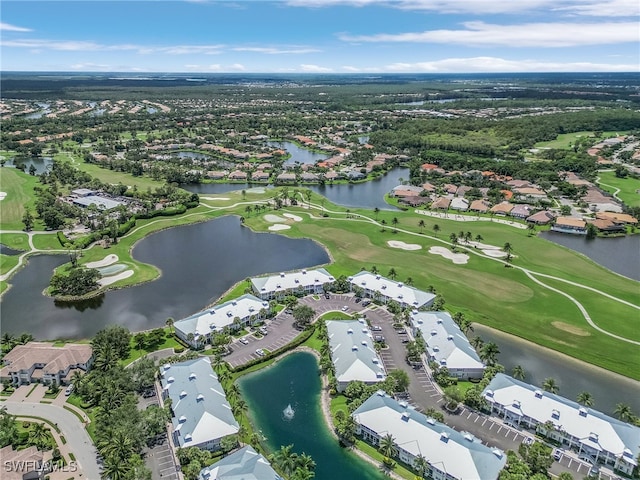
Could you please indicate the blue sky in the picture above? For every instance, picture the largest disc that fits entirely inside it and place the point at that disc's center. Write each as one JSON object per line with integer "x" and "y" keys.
{"x": 316, "y": 36}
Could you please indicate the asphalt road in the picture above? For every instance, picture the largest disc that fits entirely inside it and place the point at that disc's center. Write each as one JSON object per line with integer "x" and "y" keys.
{"x": 73, "y": 430}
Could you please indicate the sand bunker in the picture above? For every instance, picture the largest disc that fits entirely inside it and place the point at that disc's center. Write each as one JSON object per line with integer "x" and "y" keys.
{"x": 293, "y": 217}
{"x": 458, "y": 258}
{"x": 215, "y": 198}
{"x": 495, "y": 253}
{"x": 275, "y": 228}
{"x": 274, "y": 219}
{"x": 114, "y": 278}
{"x": 108, "y": 260}
{"x": 3, "y": 195}
{"x": 403, "y": 246}
{"x": 565, "y": 327}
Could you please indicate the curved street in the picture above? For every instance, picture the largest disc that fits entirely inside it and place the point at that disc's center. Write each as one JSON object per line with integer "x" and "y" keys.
{"x": 78, "y": 439}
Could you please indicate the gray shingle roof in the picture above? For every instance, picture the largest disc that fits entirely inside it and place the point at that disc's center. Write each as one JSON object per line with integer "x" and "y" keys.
{"x": 245, "y": 464}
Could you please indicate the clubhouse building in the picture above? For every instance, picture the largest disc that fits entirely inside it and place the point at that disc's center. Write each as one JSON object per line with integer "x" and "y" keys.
{"x": 593, "y": 435}
{"x": 201, "y": 414}
{"x": 446, "y": 345}
{"x": 352, "y": 353}
{"x": 450, "y": 454}
{"x": 383, "y": 289}
{"x": 303, "y": 282}
{"x": 198, "y": 329}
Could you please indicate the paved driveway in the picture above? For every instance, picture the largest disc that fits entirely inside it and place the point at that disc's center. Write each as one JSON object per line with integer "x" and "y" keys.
{"x": 72, "y": 429}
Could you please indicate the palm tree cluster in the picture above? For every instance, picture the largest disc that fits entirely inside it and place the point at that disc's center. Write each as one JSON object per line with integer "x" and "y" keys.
{"x": 294, "y": 466}
{"x": 9, "y": 341}
{"x": 465, "y": 325}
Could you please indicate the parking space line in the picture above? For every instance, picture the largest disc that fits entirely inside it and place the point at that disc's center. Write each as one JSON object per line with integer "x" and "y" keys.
{"x": 485, "y": 421}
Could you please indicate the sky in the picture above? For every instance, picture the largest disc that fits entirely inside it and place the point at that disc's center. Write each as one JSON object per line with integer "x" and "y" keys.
{"x": 320, "y": 36}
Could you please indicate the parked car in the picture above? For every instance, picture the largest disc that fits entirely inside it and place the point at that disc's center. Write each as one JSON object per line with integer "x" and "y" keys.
{"x": 378, "y": 338}
{"x": 358, "y": 299}
{"x": 327, "y": 296}
{"x": 148, "y": 393}
{"x": 366, "y": 302}
{"x": 376, "y": 328}
{"x": 345, "y": 308}
{"x": 263, "y": 330}
{"x": 528, "y": 440}
{"x": 69, "y": 390}
{"x": 244, "y": 341}
{"x": 260, "y": 352}
{"x": 557, "y": 454}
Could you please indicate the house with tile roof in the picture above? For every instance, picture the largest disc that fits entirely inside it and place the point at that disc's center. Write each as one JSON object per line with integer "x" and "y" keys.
{"x": 44, "y": 362}
{"x": 450, "y": 454}
{"x": 592, "y": 434}
{"x": 446, "y": 345}
{"x": 383, "y": 289}
{"x": 243, "y": 464}
{"x": 353, "y": 354}
{"x": 200, "y": 413}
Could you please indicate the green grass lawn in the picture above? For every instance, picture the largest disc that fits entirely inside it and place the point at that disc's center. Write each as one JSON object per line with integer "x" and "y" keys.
{"x": 17, "y": 241}
{"x": 629, "y": 187}
{"x": 20, "y": 195}
{"x": 336, "y": 316}
{"x": 47, "y": 242}
{"x": 7, "y": 262}
{"x": 566, "y": 140}
{"x": 109, "y": 176}
{"x": 169, "y": 342}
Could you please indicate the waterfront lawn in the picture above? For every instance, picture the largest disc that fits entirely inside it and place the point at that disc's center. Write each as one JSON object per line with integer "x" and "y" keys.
{"x": 17, "y": 241}
{"x": 372, "y": 452}
{"x": 76, "y": 401}
{"x": 7, "y": 262}
{"x": 337, "y": 315}
{"x": 170, "y": 341}
{"x": 19, "y": 187}
{"x": 629, "y": 187}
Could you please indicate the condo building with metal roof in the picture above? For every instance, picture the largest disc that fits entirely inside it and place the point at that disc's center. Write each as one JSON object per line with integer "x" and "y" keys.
{"x": 303, "y": 282}
{"x": 380, "y": 288}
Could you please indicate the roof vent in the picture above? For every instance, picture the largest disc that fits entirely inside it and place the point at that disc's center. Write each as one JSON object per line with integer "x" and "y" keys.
{"x": 251, "y": 309}
{"x": 234, "y": 303}
{"x": 538, "y": 393}
{"x": 468, "y": 437}
{"x": 183, "y": 394}
{"x": 375, "y": 360}
{"x": 354, "y": 348}
{"x": 384, "y": 287}
{"x": 434, "y": 332}
{"x": 449, "y": 337}
{"x": 200, "y": 397}
{"x": 405, "y": 416}
{"x": 489, "y": 393}
{"x": 229, "y": 314}
{"x": 377, "y": 277}
{"x": 212, "y": 326}
{"x": 444, "y": 436}
{"x": 403, "y": 404}
{"x": 436, "y": 348}
{"x": 379, "y": 374}
{"x": 516, "y": 404}
{"x": 182, "y": 419}
{"x": 350, "y": 330}
{"x": 380, "y": 393}
{"x": 188, "y": 437}
{"x": 431, "y": 421}
{"x": 555, "y": 414}
{"x": 170, "y": 380}
{"x": 166, "y": 366}
{"x": 582, "y": 411}
{"x": 497, "y": 452}
{"x": 400, "y": 285}
{"x": 364, "y": 342}
{"x": 304, "y": 272}
{"x": 192, "y": 376}
{"x": 281, "y": 275}
{"x": 439, "y": 321}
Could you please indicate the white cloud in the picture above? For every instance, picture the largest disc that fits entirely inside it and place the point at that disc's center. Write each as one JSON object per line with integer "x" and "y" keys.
{"x": 276, "y": 51}
{"x": 216, "y": 67}
{"x": 305, "y": 67}
{"x": 497, "y": 65}
{"x": 525, "y": 35}
{"x": 88, "y": 66}
{"x": 7, "y": 27}
{"x": 613, "y": 8}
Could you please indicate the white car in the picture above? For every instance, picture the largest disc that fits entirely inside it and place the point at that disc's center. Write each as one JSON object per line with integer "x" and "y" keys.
{"x": 260, "y": 352}
{"x": 69, "y": 390}
{"x": 244, "y": 341}
{"x": 263, "y": 330}
{"x": 345, "y": 308}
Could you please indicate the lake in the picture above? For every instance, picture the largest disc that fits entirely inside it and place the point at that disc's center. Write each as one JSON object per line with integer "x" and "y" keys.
{"x": 42, "y": 164}
{"x": 295, "y": 381}
{"x": 364, "y": 195}
{"x": 618, "y": 254}
{"x": 299, "y": 154}
{"x": 573, "y": 376}
{"x": 198, "y": 262}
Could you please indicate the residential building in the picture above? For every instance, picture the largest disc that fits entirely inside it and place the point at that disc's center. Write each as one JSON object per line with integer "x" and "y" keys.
{"x": 441, "y": 203}
{"x": 502, "y": 208}
{"x": 541, "y": 218}
{"x": 405, "y": 191}
{"x": 101, "y": 203}
{"x": 592, "y": 434}
{"x": 42, "y": 362}
{"x": 617, "y": 217}
{"x": 460, "y": 204}
{"x": 521, "y": 210}
{"x": 383, "y": 289}
{"x": 449, "y": 454}
{"x": 243, "y": 464}
{"x": 25, "y": 464}
{"x": 352, "y": 353}
{"x": 570, "y": 225}
{"x": 481, "y": 206}
{"x": 446, "y": 344}
{"x": 200, "y": 413}
{"x": 234, "y": 314}
{"x": 303, "y": 282}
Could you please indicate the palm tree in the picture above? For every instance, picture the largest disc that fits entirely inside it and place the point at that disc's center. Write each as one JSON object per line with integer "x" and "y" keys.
{"x": 39, "y": 435}
{"x": 305, "y": 462}
{"x": 248, "y": 209}
{"x": 479, "y": 238}
{"x": 454, "y": 240}
{"x": 169, "y": 323}
{"x": 436, "y": 229}
{"x": 518, "y": 372}
{"x": 409, "y": 281}
{"x": 392, "y": 273}
{"x": 507, "y": 248}
{"x": 233, "y": 392}
{"x": 550, "y": 385}
{"x": 387, "y": 446}
{"x": 476, "y": 342}
{"x": 114, "y": 469}
{"x": 531, "y": 228}
{"x": 374, "y": 269}
{"x": 376, "y": 211}
{"x": 586, "y": 399}
{"x": 240, "y": 408}
{"x": 383, "y": 222}
{"x": 421, "y": 225}
{"x": 421, "y": 465}
{"x": 467, "y": 237}
{"x": 624, "y": 413}
{"x": 190, "y": 338}
{"x": 285, "y": 459}
{"x": 489, "y": 353}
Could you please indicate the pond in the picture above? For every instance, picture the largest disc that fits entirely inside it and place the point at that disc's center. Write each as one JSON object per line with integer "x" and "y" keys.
{"x": 284, "y": 403}
{"x": 364, "y": 195}
{"x": 4, "y": 250}
{"x": 41, "y": 164}
{"x": 618, "y": 254}
{"x": 299, "y": 154}
{"x": 572, "y": 376}
{"x": 198, "y": 262}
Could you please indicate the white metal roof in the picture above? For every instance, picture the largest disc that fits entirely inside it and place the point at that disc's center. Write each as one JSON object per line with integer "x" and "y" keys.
{"x": 395, "y": 290}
